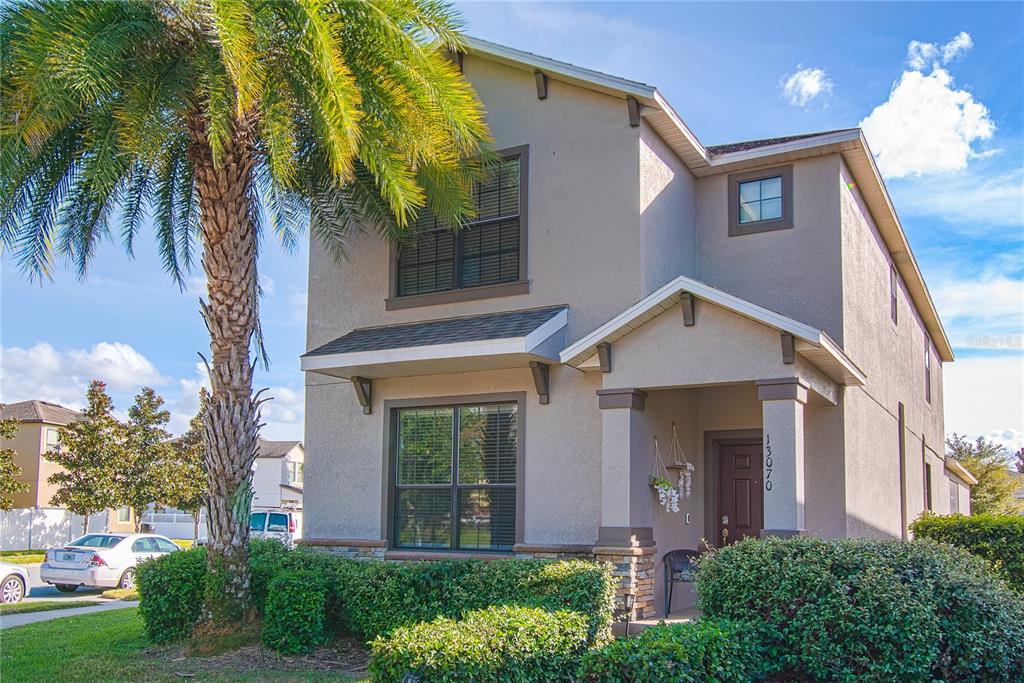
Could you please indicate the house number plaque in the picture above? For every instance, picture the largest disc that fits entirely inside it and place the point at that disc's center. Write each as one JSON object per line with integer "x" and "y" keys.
{"x": 768, "y": 462}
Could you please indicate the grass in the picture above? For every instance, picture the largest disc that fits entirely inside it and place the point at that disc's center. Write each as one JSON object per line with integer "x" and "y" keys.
{"x": 120, "y": 594}
{"x": 111, "y": 646}
{"x": 44, "y": 606}
{"x": 25, "y": 557}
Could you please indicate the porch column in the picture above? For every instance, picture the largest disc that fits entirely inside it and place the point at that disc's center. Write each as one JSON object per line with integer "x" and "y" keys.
{"x": 625, "y": 537}
{"x": 782, "y": 406}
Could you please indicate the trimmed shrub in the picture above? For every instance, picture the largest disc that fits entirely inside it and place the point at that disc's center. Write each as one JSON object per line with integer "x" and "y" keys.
{"x": 997, "y": 538}
{"x": 504, "y": 643}
{"x": 171, "y": 593}
{"x": 678, "y": 653}
{"x": 267, "y": 558}
{"x": 293, "y": 622}
{"x": 866, "y": 610}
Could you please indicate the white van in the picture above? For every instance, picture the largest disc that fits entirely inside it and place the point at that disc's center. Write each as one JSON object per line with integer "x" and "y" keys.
{"x": 280, "y": 525}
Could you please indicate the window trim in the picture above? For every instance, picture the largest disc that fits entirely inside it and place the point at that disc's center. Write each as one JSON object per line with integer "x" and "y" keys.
{"x": 394, "y": 302}
{"x": 927, "y": 370}
{"x": 785, "y": 223}
{"x": 390, "y": 464}
{"x": 894, "y": 288}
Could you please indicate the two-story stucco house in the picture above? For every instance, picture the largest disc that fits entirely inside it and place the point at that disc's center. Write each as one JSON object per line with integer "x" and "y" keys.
{"x": 501, "y": 390}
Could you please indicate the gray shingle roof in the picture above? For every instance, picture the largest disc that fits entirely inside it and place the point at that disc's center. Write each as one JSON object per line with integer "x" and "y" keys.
{"x": 747, "y": 145}
{"x": 39, "y": 411}
{"x": 449, "y": 330}
{"x": 274, "y": 449}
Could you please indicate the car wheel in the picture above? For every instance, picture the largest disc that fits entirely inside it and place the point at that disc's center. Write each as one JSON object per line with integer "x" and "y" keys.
{"x": 66, "y": 587}
{"x": 12, "y": 590}
{"x": 127, "y": 579}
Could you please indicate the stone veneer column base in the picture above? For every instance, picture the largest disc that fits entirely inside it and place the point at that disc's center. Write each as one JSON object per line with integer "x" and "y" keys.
{"x": 634, "y": 567}
{"x": 350, "y": 549}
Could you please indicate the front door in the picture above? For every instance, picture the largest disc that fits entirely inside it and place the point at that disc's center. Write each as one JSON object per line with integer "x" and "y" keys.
{"x": 740, "y": 496}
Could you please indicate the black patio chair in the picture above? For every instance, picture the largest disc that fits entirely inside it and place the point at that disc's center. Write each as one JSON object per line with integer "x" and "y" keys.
{"x": 679, "y": 566}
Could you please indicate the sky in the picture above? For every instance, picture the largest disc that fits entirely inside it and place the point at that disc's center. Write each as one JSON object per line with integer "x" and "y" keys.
{"x": 937, "y": 87}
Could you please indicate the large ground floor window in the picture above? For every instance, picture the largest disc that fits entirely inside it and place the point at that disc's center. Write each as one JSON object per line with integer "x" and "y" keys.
{"x": 454, "y": 469}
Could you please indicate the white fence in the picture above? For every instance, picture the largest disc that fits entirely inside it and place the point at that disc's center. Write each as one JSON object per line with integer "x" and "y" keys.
{"x": 175, "y": 524}
{"x": 41, "y": 528}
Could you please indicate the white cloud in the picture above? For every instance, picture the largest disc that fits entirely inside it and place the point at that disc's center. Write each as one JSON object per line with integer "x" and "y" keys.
{"x": 984, "y": 396}
{"x": 267, "y": 285}
{"x": 926, "y": 126}
{"x": 921, "y": 55}
{"x": 974, "y": 199}
{"x": 43, "y": 372}
{"x": 805, "y": 84}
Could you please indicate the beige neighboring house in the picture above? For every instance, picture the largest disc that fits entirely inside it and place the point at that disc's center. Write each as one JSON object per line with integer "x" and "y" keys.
{"x": 277, "y": 480}
{"x": 39, "y": 423}
{"x": 754, "y": 309}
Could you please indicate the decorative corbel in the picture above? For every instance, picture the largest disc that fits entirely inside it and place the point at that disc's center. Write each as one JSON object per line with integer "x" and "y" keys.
{"x": 541, "y": 380}
{"x": 542, "y": 84}
{"x": 364, "y": 392}
{"x": 633, "y": 107}
{"x": 689, "y": 306}
{"x": 604, "y": 356}
{"x": 788, "y": 349}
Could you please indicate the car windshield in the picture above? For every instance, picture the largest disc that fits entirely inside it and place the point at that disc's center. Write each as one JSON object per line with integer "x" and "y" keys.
{"x": 257, "y": 521}
{"x": 278, "y": 522}
{"x": 97, "y": 541}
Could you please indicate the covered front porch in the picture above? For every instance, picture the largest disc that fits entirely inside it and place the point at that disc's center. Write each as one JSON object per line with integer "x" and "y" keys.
{"x": 737, "y": 407}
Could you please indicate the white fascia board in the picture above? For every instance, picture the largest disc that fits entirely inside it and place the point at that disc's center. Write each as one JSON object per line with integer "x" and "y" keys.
{"x": 526, "y": 345}
{"x": 583, "y": 348}
{"x": 960, "y": 471}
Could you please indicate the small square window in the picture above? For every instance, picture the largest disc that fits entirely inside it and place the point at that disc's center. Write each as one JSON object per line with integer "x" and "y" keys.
{"x": 760, "y": 201}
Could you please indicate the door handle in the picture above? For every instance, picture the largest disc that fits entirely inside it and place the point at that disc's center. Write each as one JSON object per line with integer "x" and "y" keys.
{"x": 725, "y": 520}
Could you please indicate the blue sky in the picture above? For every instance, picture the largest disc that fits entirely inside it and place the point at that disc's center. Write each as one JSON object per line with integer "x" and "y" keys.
{"x": 937, "y": 86}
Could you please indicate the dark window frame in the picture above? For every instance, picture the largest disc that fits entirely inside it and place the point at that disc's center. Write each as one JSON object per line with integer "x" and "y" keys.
{"x": 927, "y": 370}
{"x": 928, "y": 486}
{"x": 784, "y": 223}
{"x": 893, "y": 293}
{"x": 395, "y": 301}
{"x": 392, "y": 408}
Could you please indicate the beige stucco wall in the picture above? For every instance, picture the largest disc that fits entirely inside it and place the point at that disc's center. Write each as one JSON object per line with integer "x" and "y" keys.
{"x": 27, "y": 444}
{"x": 794, "y": 272}
{"x": 892, "y": 357}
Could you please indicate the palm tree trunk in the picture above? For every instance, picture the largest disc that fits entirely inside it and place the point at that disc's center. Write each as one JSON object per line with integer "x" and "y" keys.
{"x": 232, "y": 422}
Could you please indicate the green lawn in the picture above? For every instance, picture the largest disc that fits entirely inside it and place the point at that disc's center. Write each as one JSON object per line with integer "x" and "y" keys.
{"x": 44, "y": 605}
{"x": 26, "y": 557}
{"x": 110, "y": 646}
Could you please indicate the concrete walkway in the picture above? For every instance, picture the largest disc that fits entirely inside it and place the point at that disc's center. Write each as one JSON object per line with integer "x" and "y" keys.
{"x": 12, "y": 620}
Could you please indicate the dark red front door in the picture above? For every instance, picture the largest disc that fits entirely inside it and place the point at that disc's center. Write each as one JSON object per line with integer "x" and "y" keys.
{"x": 740, "y": 496}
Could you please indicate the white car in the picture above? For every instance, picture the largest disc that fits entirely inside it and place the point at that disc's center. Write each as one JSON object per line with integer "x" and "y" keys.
{"x": 13, "y": 584}
{"x": 102, "y": 560}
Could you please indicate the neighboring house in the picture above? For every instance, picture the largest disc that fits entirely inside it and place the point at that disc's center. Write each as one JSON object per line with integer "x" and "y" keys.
{"x": 39, "y": 424}
{"x": 499, "y": 390}
{"x": 277, "y": 479}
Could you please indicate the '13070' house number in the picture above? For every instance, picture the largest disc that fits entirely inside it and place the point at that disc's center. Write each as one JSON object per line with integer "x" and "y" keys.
{"x": 767, "y": 462}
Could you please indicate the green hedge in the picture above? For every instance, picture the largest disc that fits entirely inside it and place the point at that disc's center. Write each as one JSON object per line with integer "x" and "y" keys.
{"x": 678, "y": 653}
{"x": 997, "y": 538}
{"x": 293, "y": 621}
{"x": 504, "y": 643}
{"x": 171, "y": 593}
{"x": 866, "y": 610}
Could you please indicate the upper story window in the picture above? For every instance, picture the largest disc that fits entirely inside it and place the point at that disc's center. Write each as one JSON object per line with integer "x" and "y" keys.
{"x": 761, "y": 201}
{"x": 294, "y": 472}
{"x": 52, "y": 439}
{"x": 927, "y": 370}
{"x": 893, "y": 289}
{"x": 489, "y": 252}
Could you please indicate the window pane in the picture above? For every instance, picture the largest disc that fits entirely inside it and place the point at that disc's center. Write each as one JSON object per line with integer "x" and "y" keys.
{"x": 487, "y": 519}
{"x": 750, "y": 212}
{"x": 423, "y": 518}
{"x": 771, "y": 188}
{"x": 771, "y": 209}
{"x": 428, "y": 264}
{"x": 488, "y": 438}
{"x": 425, "y": 446}
{"x": 498, "y": 194}
{"x": 490, "y": 253}
{"x": 258, "y": 521}
{"x": 750, "y": 191}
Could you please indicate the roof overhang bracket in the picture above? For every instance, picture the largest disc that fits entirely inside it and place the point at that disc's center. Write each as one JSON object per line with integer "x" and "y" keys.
{"x": 541, "y": 380}
{"x": 788, "y": 348}
{"x": 542, "y": 84}
{"x": 364, "y": 392}
{"x": 633, "y": 108}
{"x": 689, "y": 304}
{"x": 604, "y": 356}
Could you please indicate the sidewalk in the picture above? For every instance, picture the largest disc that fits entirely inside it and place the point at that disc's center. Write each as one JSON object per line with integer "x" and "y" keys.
{"x": 12, "y": 620}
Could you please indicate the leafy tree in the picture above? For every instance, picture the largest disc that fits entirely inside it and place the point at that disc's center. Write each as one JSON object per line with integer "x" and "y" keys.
{"x": 186, "y": 477}
{"x": 215, "y": 117}
{"x": 141, "y": 476}
{"x": 90, "y": 450}
{"x": 1018, "y": 460}
{"x": 9, "y": 471}
{"x": 989, "y": 462}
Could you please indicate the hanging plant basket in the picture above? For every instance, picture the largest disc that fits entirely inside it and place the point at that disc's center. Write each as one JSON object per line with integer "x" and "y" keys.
{"x": 668, "y": 494}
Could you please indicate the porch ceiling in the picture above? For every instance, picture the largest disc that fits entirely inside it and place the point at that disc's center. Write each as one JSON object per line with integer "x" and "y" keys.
{"x": 813, "y": 344}
{"x": 509, "y": 339}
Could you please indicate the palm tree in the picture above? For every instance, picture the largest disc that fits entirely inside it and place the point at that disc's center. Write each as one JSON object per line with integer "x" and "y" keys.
{"x": 214, "y": 118}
